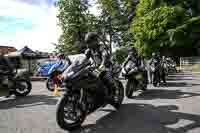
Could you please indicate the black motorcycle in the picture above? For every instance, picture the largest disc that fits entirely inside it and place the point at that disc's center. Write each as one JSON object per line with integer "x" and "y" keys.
{"x": 86, "y": 91}
{"x": 17, "y": 82}
{"x": 136, "y": 79}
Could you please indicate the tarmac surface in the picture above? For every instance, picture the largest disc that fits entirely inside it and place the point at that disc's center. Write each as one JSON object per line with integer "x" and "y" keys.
{"x": 173, "y": 108}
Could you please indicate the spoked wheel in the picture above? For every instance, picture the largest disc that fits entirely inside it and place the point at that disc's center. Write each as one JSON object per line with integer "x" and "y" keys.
{"x": 118, "y": 95}
{"x": 52, "y": 80}
{"x": 70, "y": 113}
{"x": 50, "y": 84}
{"x": 23, "y": 88}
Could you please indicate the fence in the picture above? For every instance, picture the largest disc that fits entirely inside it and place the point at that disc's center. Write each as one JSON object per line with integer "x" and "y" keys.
{"x": 190, "y": 63}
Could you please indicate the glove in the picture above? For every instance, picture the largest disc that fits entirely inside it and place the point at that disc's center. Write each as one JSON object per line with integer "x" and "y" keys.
{"x": 102, "y": 67}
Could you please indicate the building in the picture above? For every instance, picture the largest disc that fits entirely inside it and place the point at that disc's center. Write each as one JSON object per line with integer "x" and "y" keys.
{"x": 7, "y": 49}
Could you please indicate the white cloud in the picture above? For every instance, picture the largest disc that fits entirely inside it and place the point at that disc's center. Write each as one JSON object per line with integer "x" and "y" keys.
{"x": 44, "y": 32}
{"x": 11, "y": 8}
{"x": 43, "y": 19}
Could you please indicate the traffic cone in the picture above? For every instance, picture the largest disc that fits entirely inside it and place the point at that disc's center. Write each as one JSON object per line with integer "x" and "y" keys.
{"x": 55, "y": 93}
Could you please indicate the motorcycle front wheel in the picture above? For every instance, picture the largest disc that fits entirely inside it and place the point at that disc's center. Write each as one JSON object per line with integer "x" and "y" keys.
{"x": 118, "y": 95}
{"x": 156, "y": 79}
{"x": 130, "y": 87}
{"x": 23, "y": 87}
{"x": 69, "y": 114}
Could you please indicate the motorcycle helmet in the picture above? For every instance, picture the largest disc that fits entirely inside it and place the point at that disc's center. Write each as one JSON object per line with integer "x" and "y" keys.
{"x": 88, "y": 53}
{"x": 91, "y": 39}
{"x": 132, "y": 51}
{"x": 153, "y": 54}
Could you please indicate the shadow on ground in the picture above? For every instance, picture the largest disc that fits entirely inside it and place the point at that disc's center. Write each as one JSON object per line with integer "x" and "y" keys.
{"x": 175, "y": 84}
{"x": 33, "y": 100}
{"x": 164, "y": 94}
{"x": 142, "y": 118}
{"x": 193, "y": 84}
{"x": 180, "y": 76}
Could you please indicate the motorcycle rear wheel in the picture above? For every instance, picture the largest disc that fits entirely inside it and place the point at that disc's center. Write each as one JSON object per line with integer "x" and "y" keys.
{"x": 50, "y": 85}
{"x": 23, "y": 91}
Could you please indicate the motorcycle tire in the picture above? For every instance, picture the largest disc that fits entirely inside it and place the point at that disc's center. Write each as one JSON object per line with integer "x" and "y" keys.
{"x": 28, "y": 88}
{"x": 156, "y": 79}
{"x": 50, "y": 85}
{"x": 144, "y": 88}
{"x": 120, "y": 95}
{"x": 130, "y": 87}
{"x": 60, "y": 115}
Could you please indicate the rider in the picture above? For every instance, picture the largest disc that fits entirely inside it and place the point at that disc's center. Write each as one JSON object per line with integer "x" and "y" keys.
{"x": 101, "y": 57}
{"x": 137, "y": 60}
{"x": 163, "y": 67}
{"x": 155, "y": 60}
{"x": 131, "y": 59}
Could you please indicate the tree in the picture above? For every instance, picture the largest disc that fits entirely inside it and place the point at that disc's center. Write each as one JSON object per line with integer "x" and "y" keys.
{"x": 75, "y": 21}
{"x": 188, "y": 34}
{"x": 155, "y": 23}
{"x": 193, "y": 7}
{"x": 120, "y": 54}
{"x": 117, "y": 16}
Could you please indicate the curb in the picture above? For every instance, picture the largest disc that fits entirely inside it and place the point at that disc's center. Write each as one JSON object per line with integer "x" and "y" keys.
{"x": 38, "y": 78}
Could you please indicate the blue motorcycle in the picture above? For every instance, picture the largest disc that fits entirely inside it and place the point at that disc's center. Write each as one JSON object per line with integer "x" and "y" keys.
{"x": 54, "y": 76}
{"x": 43, "y": 69}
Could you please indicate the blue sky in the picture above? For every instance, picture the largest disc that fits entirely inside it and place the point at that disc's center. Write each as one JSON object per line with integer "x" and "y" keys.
{"x": 28, "y": 22}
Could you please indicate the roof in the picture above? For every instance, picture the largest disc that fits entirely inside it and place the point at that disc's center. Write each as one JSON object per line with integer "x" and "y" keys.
{"x": 24, "y": 52}
{"x": 7, "y": 47}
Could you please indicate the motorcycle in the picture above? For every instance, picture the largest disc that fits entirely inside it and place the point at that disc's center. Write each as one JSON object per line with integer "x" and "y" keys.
{"x": 18, "y": 83}
{"x": 155, "y": 70}
{"x": 86, "y": 91}
{"x": 170, "y": 67}
{"x": 54, "y": 73}
{"x": 136, "y": 79}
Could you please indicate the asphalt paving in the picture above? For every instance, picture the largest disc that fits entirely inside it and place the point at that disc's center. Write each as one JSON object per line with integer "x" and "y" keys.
{"x": 170, "y": 108}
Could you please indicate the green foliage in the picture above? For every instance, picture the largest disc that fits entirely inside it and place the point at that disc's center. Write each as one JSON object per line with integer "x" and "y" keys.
{"x": 193, "y": 7}
{"x": 117, "y": 16}
{"x": 150, "y": 26}
{"x": 119, "y": 55}
{"x": 75, "y": 21}
{"x": 150, "y": 29}
{"x": 186, "y": 34}
{"x": 158, "y": 25}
